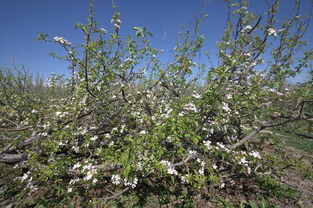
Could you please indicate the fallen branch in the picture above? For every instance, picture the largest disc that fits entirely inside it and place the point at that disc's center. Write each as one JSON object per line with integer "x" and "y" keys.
{"x": 19, "y": 129}
{"x": 30, "y": 140}
{"x": 12, "y": 158}
{"x": 267, "y": 124}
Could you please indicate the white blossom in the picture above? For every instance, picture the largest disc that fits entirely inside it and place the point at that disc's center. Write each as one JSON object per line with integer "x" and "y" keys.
{"x": 229, "y": 96}
{"x": 192, "y": 152}
{"x": 58, "y": 113}
{"x": 272, "y": 31}
{"x": 191, "y": 107}
{"x": 246, "y": 28}
{"x": 221, "y": 145}
{"x": 61, "y": 143}
{"x": 102, "y": 30}
{"x": 185, "y": 178}
{"x": 94, "y": 138}
{"x": 72, "y": 181}
{"x": 116, "y": 179}
{"x": 243, "y": 161}
{"x": 143, "y": 132}
{"x": 248, "y": 170}
{"x": 76, "y": 149}
{"x": 132, "y": 183}
{"x": 61, "y": 40}
{"x": 88, "y": 176}
{"x": 139, "y": 166}
{"x": 225, "y": 107}
{"x": 256, "y": 154}
{"x": 201, "y": 171}
{"x": 116, "y": 26}
{"x": 94, "y": 180}
{"x": 170, "y": 169}
{"x": 207, "y": 144}
{"x": 25, "y": 176}
{"x": 118, "y": 21}
{"x": 281, "y": 30}
{"x": 111, "y": 143}
{"x": 196, "y": 95}
{"x": 77, "y": 165}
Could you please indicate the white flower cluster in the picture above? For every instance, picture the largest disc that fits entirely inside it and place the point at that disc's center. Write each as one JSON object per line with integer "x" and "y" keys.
{"x": 228, "y": 96}
{"x": 76, "y": 149}
{"x": 255, "y": 154}
{"x": 61, "y": 114}
{"x": 165, "y": 112}
{"x": 34, "y": 111}
{"x": 221, "y": 145}
{"x": 29, "y": 179}
{"x": 117, "y": 22}
{"x": 91, "y": 171}
{"x": 246, "y": 29}
{"x": 207, "y": 144}
{"x": 181, "y": 114}
{"x": 191, "y": 107}
{"x": 170, "y": 169}
{"x": 185, "y": 179}
{"x": 81, "y": 131}
{"x": 94, "y": 138}
{"x": 102, "y": 30}
{"x": 192, "y": 152}
{"x": 272, "y": 32}
{"x": 116, "y": 179}
{"x": 143, "y": 132}
{"x": 244, "y": 162}
{"x": 202, "y": 164}
{"x": 73, "y": 181}
{"x": 214, "y": 166}
{"x": 132, "y": 183}
{"x": 196, "y": 95}
{"x": 225, "y": 107}
{"x": 61, "y": 40}
{"x": 25, "y": 176}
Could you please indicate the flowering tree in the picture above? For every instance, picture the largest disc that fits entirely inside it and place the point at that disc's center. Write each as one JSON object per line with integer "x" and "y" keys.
{"x": 127, "y": 126}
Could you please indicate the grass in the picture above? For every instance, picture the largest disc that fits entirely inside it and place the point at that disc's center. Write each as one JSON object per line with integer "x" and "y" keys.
{"x": 298, "y": 142}
{"x": 291, "y": 138}
{"x": 226, "y": 203}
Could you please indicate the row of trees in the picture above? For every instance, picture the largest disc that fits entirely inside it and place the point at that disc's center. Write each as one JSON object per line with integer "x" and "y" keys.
{"x": 126, "y": 125}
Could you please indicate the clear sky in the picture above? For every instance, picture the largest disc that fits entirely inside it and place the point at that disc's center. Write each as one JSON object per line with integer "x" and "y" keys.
{"x": 22, "y": 20}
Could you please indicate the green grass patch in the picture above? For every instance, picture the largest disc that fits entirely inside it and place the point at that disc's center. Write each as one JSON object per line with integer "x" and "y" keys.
{"x": 298, "y": 142}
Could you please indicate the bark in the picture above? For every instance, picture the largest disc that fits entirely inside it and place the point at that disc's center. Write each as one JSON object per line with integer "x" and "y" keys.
{"x": 12, "y": 158}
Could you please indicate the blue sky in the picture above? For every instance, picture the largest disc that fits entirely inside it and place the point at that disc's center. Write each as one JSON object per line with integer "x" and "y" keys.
{"x": 22, "y": 20}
